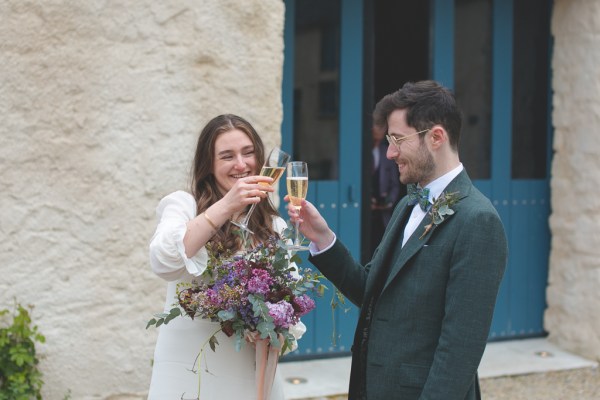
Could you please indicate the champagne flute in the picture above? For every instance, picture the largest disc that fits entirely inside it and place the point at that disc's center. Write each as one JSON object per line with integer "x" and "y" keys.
{"x": 273, "y": 168}
{"x": 297, "y": 186}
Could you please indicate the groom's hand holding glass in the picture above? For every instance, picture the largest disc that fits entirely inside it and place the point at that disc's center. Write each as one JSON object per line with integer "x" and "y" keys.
{"x": 297, "y": 187}
{"x": 311, "y": 224}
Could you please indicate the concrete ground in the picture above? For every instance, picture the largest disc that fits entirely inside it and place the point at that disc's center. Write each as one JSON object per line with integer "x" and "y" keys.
{"x": 528, "y": 369}
{"x": 580, "y": 384}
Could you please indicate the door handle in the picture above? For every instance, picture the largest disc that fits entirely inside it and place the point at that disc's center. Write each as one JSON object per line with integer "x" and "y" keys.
{"x": 351, "y": 193}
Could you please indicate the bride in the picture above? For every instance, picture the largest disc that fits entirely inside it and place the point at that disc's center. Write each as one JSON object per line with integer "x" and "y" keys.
{"x": 225, "y": 182}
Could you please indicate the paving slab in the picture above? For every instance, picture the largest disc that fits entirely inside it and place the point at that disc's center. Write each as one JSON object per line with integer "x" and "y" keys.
{"x": 317, "y": 379}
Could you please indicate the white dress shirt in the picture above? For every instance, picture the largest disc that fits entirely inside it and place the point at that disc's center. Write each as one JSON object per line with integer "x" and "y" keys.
{"x": 436, "y": 188}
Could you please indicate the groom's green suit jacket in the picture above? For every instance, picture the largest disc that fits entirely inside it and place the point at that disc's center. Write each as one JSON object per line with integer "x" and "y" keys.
{"x": 430, "y": 324}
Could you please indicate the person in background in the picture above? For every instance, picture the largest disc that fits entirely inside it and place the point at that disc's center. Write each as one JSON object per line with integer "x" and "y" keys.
{"x": 427, "y": 296}
{"x": 385, "y": 186}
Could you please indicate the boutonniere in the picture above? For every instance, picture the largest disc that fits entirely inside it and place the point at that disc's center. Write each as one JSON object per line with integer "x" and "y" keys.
{"x": 439, "y": 209}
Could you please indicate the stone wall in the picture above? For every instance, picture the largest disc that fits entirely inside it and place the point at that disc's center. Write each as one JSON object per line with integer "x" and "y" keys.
{"x": 101, "y": 104}
{"x": 573, "y": 294}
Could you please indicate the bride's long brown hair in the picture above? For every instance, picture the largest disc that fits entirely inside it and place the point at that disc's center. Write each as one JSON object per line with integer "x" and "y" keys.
{"x": 204, "y": 186}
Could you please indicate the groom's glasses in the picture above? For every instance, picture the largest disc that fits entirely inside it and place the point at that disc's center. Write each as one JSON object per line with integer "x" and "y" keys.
{"x": 397, "y": 141}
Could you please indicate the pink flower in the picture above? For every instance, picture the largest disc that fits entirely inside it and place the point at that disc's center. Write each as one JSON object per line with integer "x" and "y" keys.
{"x": 282, "y": 313}
{"x": 260, "y": 281}
{"x": 303, "y": 304}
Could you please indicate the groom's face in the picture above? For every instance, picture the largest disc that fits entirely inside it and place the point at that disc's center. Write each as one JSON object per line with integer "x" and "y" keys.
{"x": 414, "y": 160}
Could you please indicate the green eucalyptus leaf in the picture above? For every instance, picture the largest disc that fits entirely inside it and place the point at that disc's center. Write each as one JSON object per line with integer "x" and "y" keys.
{"x": 226, "y": 315}
{"x": 274, "y": 339}
{"x": 262, "y": 326}
{"x": 238, "y": 342}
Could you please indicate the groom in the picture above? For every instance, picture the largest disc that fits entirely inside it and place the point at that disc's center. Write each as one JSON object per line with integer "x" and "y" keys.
{"x": 427, "y": 296}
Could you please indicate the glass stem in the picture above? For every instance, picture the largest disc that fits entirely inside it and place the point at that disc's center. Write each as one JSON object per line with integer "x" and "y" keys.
{"x": 246, "y": 220}
{"x": 297, "y": 238}
{"x": 245, "y": 223}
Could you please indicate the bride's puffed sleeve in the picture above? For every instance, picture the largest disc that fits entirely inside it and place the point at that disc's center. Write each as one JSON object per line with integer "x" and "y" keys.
{"x": 167, "y": 253}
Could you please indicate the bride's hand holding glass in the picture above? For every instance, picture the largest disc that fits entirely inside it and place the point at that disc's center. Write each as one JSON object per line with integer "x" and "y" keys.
{"x": 247, "y": 191}
{"x": 273, "y": 167}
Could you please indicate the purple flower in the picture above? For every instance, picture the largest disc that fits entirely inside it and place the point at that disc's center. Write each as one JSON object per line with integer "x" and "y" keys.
{"x": 264, "y": 273}
{"x": 282, "y": 313}
{"x": 260, "y": 282}
{"x": 303, "y": 304}
{"x": 212, "y": 297}
{"x": 247, "y": 315}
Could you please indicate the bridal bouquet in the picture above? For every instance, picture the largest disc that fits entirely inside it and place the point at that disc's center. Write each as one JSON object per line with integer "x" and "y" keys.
{"x": 257, "y": 296}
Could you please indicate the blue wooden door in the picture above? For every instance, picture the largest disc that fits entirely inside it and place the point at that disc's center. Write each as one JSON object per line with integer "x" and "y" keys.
{"x": 322, "y": 125}
{"x": 497, "y": 61}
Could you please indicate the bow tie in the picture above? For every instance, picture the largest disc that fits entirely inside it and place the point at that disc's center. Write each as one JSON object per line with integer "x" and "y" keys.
{"x": 418, "y": 195}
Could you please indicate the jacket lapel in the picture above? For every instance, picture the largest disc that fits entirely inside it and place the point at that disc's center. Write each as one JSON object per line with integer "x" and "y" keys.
{"x": 392, "y": 236}
{"x": 461, "y": 184}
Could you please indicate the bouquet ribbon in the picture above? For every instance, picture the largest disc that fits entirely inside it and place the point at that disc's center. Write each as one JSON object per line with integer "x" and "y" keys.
{"x": 267, "y": 358}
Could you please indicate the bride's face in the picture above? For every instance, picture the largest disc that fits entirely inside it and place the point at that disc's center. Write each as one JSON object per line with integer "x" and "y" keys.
{"x": 234, "y": 159}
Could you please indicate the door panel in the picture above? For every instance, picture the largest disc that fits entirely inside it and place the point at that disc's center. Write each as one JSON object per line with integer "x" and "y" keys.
{"x": 501, "y": 83}
{"x": 322, "y": 125}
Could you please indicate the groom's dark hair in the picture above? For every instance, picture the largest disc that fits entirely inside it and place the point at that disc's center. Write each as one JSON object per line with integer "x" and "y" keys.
{"x": 427, "y": 103}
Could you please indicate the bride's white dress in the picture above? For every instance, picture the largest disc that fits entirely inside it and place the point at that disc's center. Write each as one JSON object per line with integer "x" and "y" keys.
{"x": 226, "y": 374}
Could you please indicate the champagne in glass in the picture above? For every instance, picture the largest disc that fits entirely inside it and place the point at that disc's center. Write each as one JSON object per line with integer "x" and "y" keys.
{"x": 297, "y": 186}
{"x": 273, "y": 168}
{"x": 271, "y": 172}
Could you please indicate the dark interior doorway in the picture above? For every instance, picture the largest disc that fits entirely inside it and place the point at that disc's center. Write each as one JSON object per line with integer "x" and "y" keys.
{"x": 397, "y": 38}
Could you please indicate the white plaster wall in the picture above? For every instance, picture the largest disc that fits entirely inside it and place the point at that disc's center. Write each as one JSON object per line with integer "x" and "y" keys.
{"x": 100, "y": 106}
{"x": 573, "y": 293}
